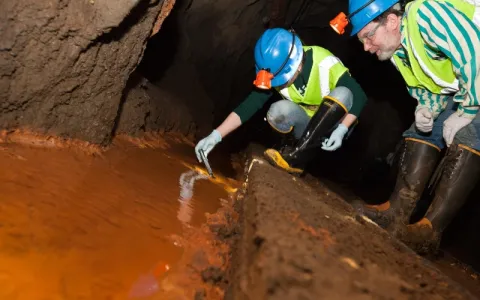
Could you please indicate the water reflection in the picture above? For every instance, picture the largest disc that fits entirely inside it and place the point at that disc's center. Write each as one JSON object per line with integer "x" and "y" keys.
{"x": 187, "y": 182}
{"x": 148, "y": 284}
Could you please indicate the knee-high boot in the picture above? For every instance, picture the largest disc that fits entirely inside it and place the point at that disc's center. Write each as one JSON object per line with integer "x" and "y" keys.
{"x": 329, "y": 114}
{"x": 459, "y": 176}
{"x": 417, "y": 162}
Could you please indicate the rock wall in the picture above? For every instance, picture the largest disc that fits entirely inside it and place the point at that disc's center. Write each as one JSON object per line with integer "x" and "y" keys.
{"x": 147, "y": 108}
{"x": 65, "y": 63}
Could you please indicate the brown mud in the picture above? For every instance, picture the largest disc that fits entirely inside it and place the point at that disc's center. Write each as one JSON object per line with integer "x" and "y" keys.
{"x": 460, "y": 272}
{"x": 304, "y": 242}
{"x": 107, "y": 224}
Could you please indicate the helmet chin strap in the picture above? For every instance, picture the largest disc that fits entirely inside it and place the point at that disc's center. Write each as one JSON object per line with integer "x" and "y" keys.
{"x": 288, "y": 56}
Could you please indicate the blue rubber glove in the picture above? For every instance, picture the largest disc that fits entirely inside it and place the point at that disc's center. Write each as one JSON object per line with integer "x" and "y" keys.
{"x": 207, "y": 144}
{"x": 336, "y": 138}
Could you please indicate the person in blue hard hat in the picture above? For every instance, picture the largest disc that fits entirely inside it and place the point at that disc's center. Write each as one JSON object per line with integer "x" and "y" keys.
{"x": 319, "y": 99}
{"x": 434, "y": 44}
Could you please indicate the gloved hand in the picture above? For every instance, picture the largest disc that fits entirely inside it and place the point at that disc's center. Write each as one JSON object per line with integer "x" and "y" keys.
{"x": 207, "y": 144}
{"x": 424, "y": 119}
{"x": 452, "y": 125}
{"x": 336, "y": 138}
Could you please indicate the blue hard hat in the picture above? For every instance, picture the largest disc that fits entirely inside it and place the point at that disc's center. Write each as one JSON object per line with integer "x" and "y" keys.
{"x": 272, "y": 53}
{"x": 360, "y": 17}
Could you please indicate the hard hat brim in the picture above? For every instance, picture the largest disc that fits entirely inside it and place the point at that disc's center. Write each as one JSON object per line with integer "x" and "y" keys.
{"x": 368, "y": 14}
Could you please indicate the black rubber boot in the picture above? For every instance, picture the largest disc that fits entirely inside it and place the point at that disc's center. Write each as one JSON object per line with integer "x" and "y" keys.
{"x": 283, "y": 141}
{"x": 327, "y": 117}
{"x": 381, "y": 214}
{"x": 417, "y": 161}
{"x": 417, "y": 164}
{"x": 459, "y": 176}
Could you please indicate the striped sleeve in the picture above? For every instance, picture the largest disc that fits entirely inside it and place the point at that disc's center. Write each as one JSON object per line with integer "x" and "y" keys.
{"x": 450, "y": 32}
{"x": 435, "y": 102}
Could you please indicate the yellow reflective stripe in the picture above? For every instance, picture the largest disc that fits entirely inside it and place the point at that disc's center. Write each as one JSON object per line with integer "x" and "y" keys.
{"x": 338, "y": 102}
{"x": 447, "y": 88}
{"x": 469, "y": 149}
{"x": 424, "y": 142}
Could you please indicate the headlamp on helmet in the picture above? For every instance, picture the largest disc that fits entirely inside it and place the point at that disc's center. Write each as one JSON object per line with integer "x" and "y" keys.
{"x": 340, "y": 22}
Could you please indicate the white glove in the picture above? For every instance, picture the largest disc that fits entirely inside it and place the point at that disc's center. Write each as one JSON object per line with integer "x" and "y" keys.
{"x": 424, "y": 119}
{"x": 336, "y": 138}
{"x": 207, "y": 144}
{"x": 452, "y": 125}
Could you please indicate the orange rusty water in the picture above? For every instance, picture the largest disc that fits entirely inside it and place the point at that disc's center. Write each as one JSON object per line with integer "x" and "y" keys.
{"x": 76, "y": 226}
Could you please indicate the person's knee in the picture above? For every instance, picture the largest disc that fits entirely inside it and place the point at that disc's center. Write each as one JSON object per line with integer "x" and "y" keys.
{"x": 468, "y": 136}
{"x": 343, "y": 95}
{"x": 279, "y": 111}
{"x": 434, "y": 138}
{"x": 279, "y": 116}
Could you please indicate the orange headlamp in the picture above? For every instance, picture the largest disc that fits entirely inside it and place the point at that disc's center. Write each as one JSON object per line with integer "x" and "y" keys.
{"x": 339, "y": 23}
{"x": 263, "y": 80}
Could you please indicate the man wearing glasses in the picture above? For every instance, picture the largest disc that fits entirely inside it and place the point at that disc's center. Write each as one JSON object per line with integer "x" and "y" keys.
{"x": 433, "y": 44}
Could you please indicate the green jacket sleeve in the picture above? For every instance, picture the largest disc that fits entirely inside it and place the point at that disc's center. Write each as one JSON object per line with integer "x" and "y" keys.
{"x": 359, "y": 96}
{"x": 253, "y": 103}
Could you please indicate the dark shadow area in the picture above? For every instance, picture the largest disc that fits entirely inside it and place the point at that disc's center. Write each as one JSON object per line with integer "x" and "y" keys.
{"x": 462, "y": 238}
{"x": 161, "y": 48}
{"x": 132, "y": 82}
{"x": 167, "y": 63}
{"x": 163, "y": 44}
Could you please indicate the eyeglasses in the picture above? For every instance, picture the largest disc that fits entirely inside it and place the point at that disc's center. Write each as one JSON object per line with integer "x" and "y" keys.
{"x": 369, "y": 35}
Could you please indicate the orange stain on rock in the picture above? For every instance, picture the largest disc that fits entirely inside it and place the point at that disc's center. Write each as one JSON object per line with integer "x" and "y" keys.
{"x": 320, "y": 233}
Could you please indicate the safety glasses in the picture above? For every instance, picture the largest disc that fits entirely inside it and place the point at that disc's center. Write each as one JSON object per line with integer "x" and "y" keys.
{"x": 370, "y": 35}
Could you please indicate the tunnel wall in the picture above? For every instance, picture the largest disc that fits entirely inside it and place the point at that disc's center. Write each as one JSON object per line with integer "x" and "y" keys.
{"x": 147, "y": 108}
{"x": 209, "y": 51}
{"x": 64, "y": 64}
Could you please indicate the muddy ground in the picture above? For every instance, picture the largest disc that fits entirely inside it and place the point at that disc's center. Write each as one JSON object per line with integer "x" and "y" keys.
{"x": 299, "y": 242}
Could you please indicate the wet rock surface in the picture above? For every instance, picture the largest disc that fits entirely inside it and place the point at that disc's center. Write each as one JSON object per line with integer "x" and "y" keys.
{"x": 64, "y": 64}
{"x": 147, "y": 108}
